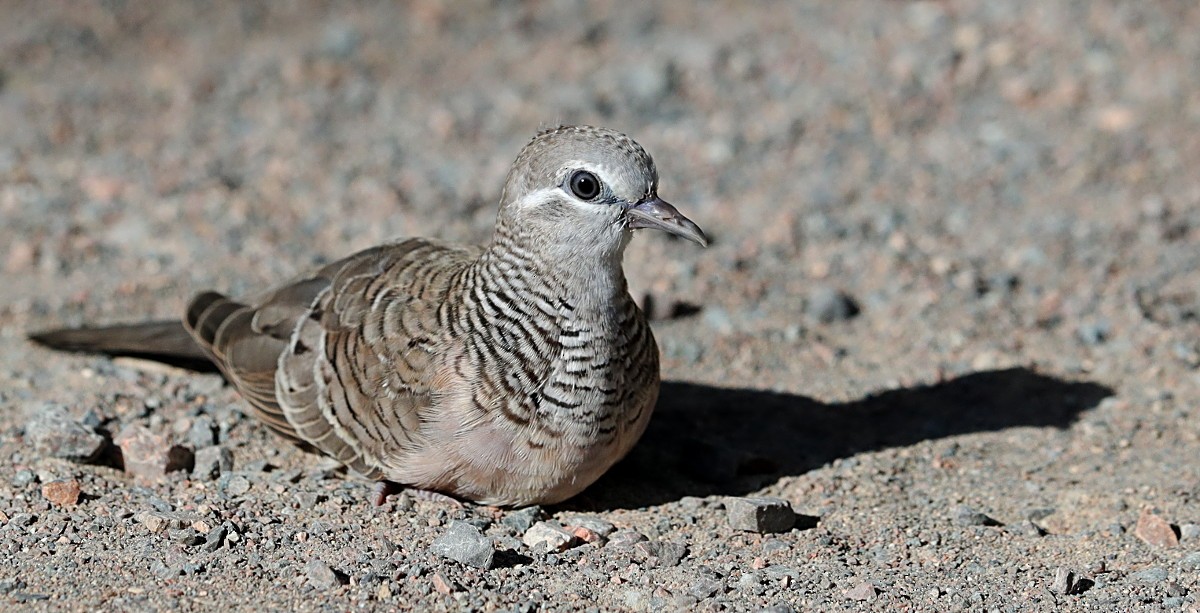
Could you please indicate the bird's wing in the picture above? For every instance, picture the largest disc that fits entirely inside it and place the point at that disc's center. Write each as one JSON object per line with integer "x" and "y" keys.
{"x": 339, "y": 358}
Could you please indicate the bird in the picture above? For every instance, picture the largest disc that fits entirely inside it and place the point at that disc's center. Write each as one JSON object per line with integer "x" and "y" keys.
{"x": 508, "y": 374}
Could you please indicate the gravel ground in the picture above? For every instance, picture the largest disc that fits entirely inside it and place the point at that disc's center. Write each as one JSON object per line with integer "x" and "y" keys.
{"x": 951, "y": 315}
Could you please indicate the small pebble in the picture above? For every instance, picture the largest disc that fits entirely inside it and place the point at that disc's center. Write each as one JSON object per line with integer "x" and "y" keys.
{"x": 158, "y": 521}
{"x": 770, "y": 546}
{"x": 54, "y": 433}
{"x": 465, "y": 544}
{"x": 211, "y": 462}
{"x": 63, "y": 493}
{"x": 1026, "y": 528}
{"x": 671, "y": 553}
{"x": 442, "y": 584}
{"x": 1189, "y": 532}
{"x": 202, "y": 433}
{"x": 968, "y": 516}
{"x": 1153, "y": 530}
{"x": 259, "y": 466}
{"x": 705, "y": 588}
{"x": 827, "y": 305}
{"x": 24, "y": 477}
{"x": 1191, "y": 561}
{"x": 1064, "y": 581}
{"x": 521, "y": 519}
{"x": 626, "y": 538}
{"x": 863, "y": 592}
{"x": 321, "y": 575}
{"x": 149, "y": 455}
{"x": 215, "y": 538}
{"x": 1093, "y": 334}
{"x": 595, "y": 524}
{"x": 549, "y": 536}
{"x": 760, "y": 514}
{"x": 586, "y": 535}
{"x": 1154, "y": 574}
{"x": 188, "y": 537}
{"x": 234, "y": 485}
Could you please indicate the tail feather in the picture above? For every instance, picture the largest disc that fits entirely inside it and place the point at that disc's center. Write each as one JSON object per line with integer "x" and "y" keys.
{"x": 165, "y": 341}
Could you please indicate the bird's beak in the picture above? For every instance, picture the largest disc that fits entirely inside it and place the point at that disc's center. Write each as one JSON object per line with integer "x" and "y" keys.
{"x": 659, "y": 214}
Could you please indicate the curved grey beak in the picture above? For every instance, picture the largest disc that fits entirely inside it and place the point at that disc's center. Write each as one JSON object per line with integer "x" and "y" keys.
{"x": 659, "y": 214}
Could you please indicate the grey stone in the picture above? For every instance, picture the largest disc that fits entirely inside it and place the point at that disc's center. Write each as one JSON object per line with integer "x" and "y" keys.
{"x": 770, "y": 546}
{"x": 258, "y": 466}
{"x": 626, "y": 538}
{"x": 211, "y": 462}
{"x": 691, "y": 504}
{"x": 215, "y": 538}
{"x": 760, "y": 514}
{"x": 22, "y": 520}
{"x": 750, "y": 581}
{"x": 1191, "y": 561}
{"x": 1027, "y": 528}
{"x": 188, "y": 537}
{"x": 968, "y": 516}
{"x": 827, "y": 305}
{"x": 1154, "y": 574}
{"x": 54, "y": 433}
{"x": 11, "y": 585}
{"x": 521, "y": 519}
{"x": 1064, "y": 581}
{"x": 24, "y": 477}
{"x": 705, "y": 588}
{"x": 465, "y": 544}
{"x": 863, "y": 592}
{"x": 1189, "y": 532}
{"x": 203, "y": 432}
{"x": 321, "y": 575}
{"x": 234, "y": 485}
{"x": 671, "y": 553}
{"x": 1095, "y": 333}
{"x": 482, "y": 523}
{"x": 158, "y": 521}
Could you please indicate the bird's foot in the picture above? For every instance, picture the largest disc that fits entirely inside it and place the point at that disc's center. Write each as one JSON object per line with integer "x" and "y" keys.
{"x": 383, "y": 489}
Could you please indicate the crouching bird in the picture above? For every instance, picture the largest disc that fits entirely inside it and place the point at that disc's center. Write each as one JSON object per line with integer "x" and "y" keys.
{"x": 508, "y": 374}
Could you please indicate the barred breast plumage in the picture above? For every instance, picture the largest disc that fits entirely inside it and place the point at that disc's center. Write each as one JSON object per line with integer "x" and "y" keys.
{"x": 509, "y": 374}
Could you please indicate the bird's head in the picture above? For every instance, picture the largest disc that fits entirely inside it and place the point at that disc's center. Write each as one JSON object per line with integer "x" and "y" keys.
{"x": 581, "y": 191}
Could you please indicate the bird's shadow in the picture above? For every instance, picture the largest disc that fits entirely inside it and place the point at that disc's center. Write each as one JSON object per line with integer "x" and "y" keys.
{"x": 706, "y": 440}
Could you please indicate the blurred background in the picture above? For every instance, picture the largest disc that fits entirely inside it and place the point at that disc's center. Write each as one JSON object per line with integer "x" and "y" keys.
{"x": 951, "y": 169}
{"x": 904, "y": 153}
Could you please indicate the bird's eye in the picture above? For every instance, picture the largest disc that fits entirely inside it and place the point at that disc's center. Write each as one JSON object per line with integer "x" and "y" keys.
{"x": 585, "y": 185}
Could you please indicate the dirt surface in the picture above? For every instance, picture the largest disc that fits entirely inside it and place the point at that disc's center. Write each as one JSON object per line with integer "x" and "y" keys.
{"x": 951, "y": 312}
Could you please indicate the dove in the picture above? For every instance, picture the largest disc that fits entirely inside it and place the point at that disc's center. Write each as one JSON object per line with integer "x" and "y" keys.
{"x": 507, "y": 374}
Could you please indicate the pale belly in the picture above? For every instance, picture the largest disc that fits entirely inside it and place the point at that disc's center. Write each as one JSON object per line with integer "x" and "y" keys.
{"x": 495, "y": 462}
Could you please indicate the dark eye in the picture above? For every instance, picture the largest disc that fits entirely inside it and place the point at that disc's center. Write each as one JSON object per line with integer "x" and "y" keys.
{"x": 585, "y": 185}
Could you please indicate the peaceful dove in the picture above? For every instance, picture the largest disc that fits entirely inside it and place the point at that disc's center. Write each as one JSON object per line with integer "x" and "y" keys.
{"x": 509, "y": 374}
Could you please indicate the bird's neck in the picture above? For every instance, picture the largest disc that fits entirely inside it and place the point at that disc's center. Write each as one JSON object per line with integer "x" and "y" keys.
{"x": 589, "y": 281}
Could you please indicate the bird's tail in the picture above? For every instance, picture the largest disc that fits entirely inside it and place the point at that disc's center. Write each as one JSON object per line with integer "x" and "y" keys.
{"x": 163, "y": 341}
